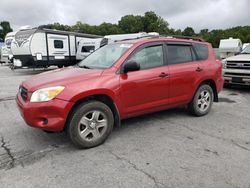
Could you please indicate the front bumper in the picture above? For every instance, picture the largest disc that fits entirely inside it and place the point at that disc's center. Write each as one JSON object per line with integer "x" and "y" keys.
{"x": 50, "y": 116}
{"x": 236, "y": 76}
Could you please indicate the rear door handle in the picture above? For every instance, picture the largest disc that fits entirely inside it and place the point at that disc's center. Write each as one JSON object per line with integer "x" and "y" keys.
{"x": 198, "y": 69}
{"x": 163, "y": 74}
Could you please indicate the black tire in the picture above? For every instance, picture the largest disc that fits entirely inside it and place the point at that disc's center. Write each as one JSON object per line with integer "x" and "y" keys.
{"x": 194, "y": 106}
{"x": 60, "y": 66}
{"x": 73, "y": 125}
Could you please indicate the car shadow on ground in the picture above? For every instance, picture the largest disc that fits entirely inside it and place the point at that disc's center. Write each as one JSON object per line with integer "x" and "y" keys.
{"x": 141, "y": 122}
{"x": 235, "y": 89}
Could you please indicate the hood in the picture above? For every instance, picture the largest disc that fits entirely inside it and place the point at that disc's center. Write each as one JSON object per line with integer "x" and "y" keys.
{"x": 60, "y": 77}
{"x": 240, "y": 57}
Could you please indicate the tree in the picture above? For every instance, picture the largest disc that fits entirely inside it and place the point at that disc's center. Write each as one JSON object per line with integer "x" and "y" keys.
{"x": 5, "y": 29}
{"x": 189, "y": 31}
{"x": 203, "y": 31}
{"x": 131, "y": 24}
{"x": 108, "y": 29}
{"x": 152, "y": 22}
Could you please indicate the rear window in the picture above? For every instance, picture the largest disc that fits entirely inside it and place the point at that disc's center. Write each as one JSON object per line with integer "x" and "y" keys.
{"x": 88, "y": 48}
{"x": 179, "y": 54}
{"x": 202, "y": 51}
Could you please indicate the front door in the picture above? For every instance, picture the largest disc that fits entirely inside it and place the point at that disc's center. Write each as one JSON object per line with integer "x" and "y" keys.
{"x": 146, "y": 89}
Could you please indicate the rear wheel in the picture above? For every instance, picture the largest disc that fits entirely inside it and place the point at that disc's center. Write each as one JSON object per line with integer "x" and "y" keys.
{"x": 90, "y": 124}
{"x": 202, "y": 101}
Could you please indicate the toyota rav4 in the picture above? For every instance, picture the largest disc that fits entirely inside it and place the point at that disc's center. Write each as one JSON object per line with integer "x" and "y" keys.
{"x": 119, "y": 81}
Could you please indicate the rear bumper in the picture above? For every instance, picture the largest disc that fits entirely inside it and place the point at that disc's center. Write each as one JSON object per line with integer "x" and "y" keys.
{"x": 236, "y": 76}
{"x": 49, "y": 116}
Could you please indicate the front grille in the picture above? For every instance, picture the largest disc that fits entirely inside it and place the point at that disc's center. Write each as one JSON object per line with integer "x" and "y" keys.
{"x": 23, "y": 92}
{"x": 238, "y": 65}
{"x": 234, "y": 74}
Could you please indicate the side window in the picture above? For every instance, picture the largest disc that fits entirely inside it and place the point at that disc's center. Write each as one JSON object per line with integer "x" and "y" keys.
{"x": 202, "y": 51}
{"x": 149, "y": 57}
{"x": 88, "y": 48}
{"x": 58, "y": 44}
{"x": 179, "y": 54}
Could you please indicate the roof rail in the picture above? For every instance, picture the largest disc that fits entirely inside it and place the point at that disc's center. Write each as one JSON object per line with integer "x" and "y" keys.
{"x": 186, "y": 37}
{"x": 169, "y": 36}
{"x": 146, "y": 36}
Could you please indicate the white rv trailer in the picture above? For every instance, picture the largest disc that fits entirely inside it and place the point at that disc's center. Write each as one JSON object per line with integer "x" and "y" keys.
{"x": 229, "y": 47}
{"x": 87, "y": 46}
{"x": 6, "y": 53}
{"x": 40, "y": 47}
{"x": 245, "y": 45}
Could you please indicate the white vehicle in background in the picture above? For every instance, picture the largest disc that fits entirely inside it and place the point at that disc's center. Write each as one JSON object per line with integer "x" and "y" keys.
{"x": 229, "y": 47}
{"x": 236, "y": 69}
{"x": 1, "y": 45}
{"x": 41, "y": 47}
{"x": 87, "y": 46}
{"x": 6, "y": 53}
{"x": 245, "y": 45}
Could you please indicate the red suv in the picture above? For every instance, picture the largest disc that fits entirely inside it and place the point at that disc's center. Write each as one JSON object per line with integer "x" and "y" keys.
{"x": 122, "y": 80}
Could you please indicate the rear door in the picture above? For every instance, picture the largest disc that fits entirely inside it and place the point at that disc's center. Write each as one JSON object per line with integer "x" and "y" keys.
{"x": 146, "y": 89}
{"x": 58, "y": 47}
{"x": 183, "y": 71}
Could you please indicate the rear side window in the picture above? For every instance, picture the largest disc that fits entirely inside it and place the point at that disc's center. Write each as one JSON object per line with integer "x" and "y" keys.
{"x": 88, "y": 48}
{"x": 202, "y": 51}
{"x": 58, "y": 44}
{"x": 179, "y": 54}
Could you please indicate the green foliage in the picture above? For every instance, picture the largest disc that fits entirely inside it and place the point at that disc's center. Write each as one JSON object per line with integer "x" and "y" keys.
{"x": 4, "y": 29}
{"x": 189, "y": 31}
{"x": 214, "y": 36}
{"x": 131, "y": 24}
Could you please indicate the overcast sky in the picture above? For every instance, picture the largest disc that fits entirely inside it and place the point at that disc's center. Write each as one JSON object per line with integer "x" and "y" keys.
{"x": 199, "y": 14}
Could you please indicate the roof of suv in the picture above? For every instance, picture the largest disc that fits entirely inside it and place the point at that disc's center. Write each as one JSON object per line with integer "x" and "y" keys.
{"x": 155, "y": 39}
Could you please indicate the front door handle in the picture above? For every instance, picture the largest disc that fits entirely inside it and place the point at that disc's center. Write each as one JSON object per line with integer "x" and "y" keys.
{"x": 198, "y": 69}
{"x": 163, "y": 74}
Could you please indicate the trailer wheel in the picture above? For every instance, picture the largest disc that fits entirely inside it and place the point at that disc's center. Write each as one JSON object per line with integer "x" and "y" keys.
{"x": 60, "y": 66}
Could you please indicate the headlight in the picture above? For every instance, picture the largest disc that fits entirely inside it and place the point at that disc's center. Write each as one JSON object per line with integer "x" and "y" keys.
{"x": 46, "y": 94}
{"x": 224, "y": 64}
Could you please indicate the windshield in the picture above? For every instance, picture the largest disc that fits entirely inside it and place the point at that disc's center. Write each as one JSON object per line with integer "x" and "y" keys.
{"x": 246, "y": 50}
{"x": 104, "y": 57}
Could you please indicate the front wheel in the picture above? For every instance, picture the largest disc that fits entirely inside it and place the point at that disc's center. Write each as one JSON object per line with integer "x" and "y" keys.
{"x": 202, "y": 101}
{"x": 90, "y": 124}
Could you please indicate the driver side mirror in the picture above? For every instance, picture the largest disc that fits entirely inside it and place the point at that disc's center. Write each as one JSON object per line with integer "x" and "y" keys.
{"x": 130, "y": 66}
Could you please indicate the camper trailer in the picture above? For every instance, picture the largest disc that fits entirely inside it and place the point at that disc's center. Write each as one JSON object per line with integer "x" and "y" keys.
{"x": 245, "y": 45}
{"x": 6, "y": 53}
{"x": 87, "y": 46}
{"x": 230, "y": 47}
{"x": 40, "y": 47}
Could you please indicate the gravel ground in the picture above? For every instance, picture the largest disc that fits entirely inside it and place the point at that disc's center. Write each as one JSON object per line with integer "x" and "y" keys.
{"x": 164, "y": 149}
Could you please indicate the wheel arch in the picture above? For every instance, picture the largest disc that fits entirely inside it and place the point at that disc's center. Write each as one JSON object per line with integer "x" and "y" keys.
{"x": 211, "y": 83}
{"x": 106, "y": 99}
